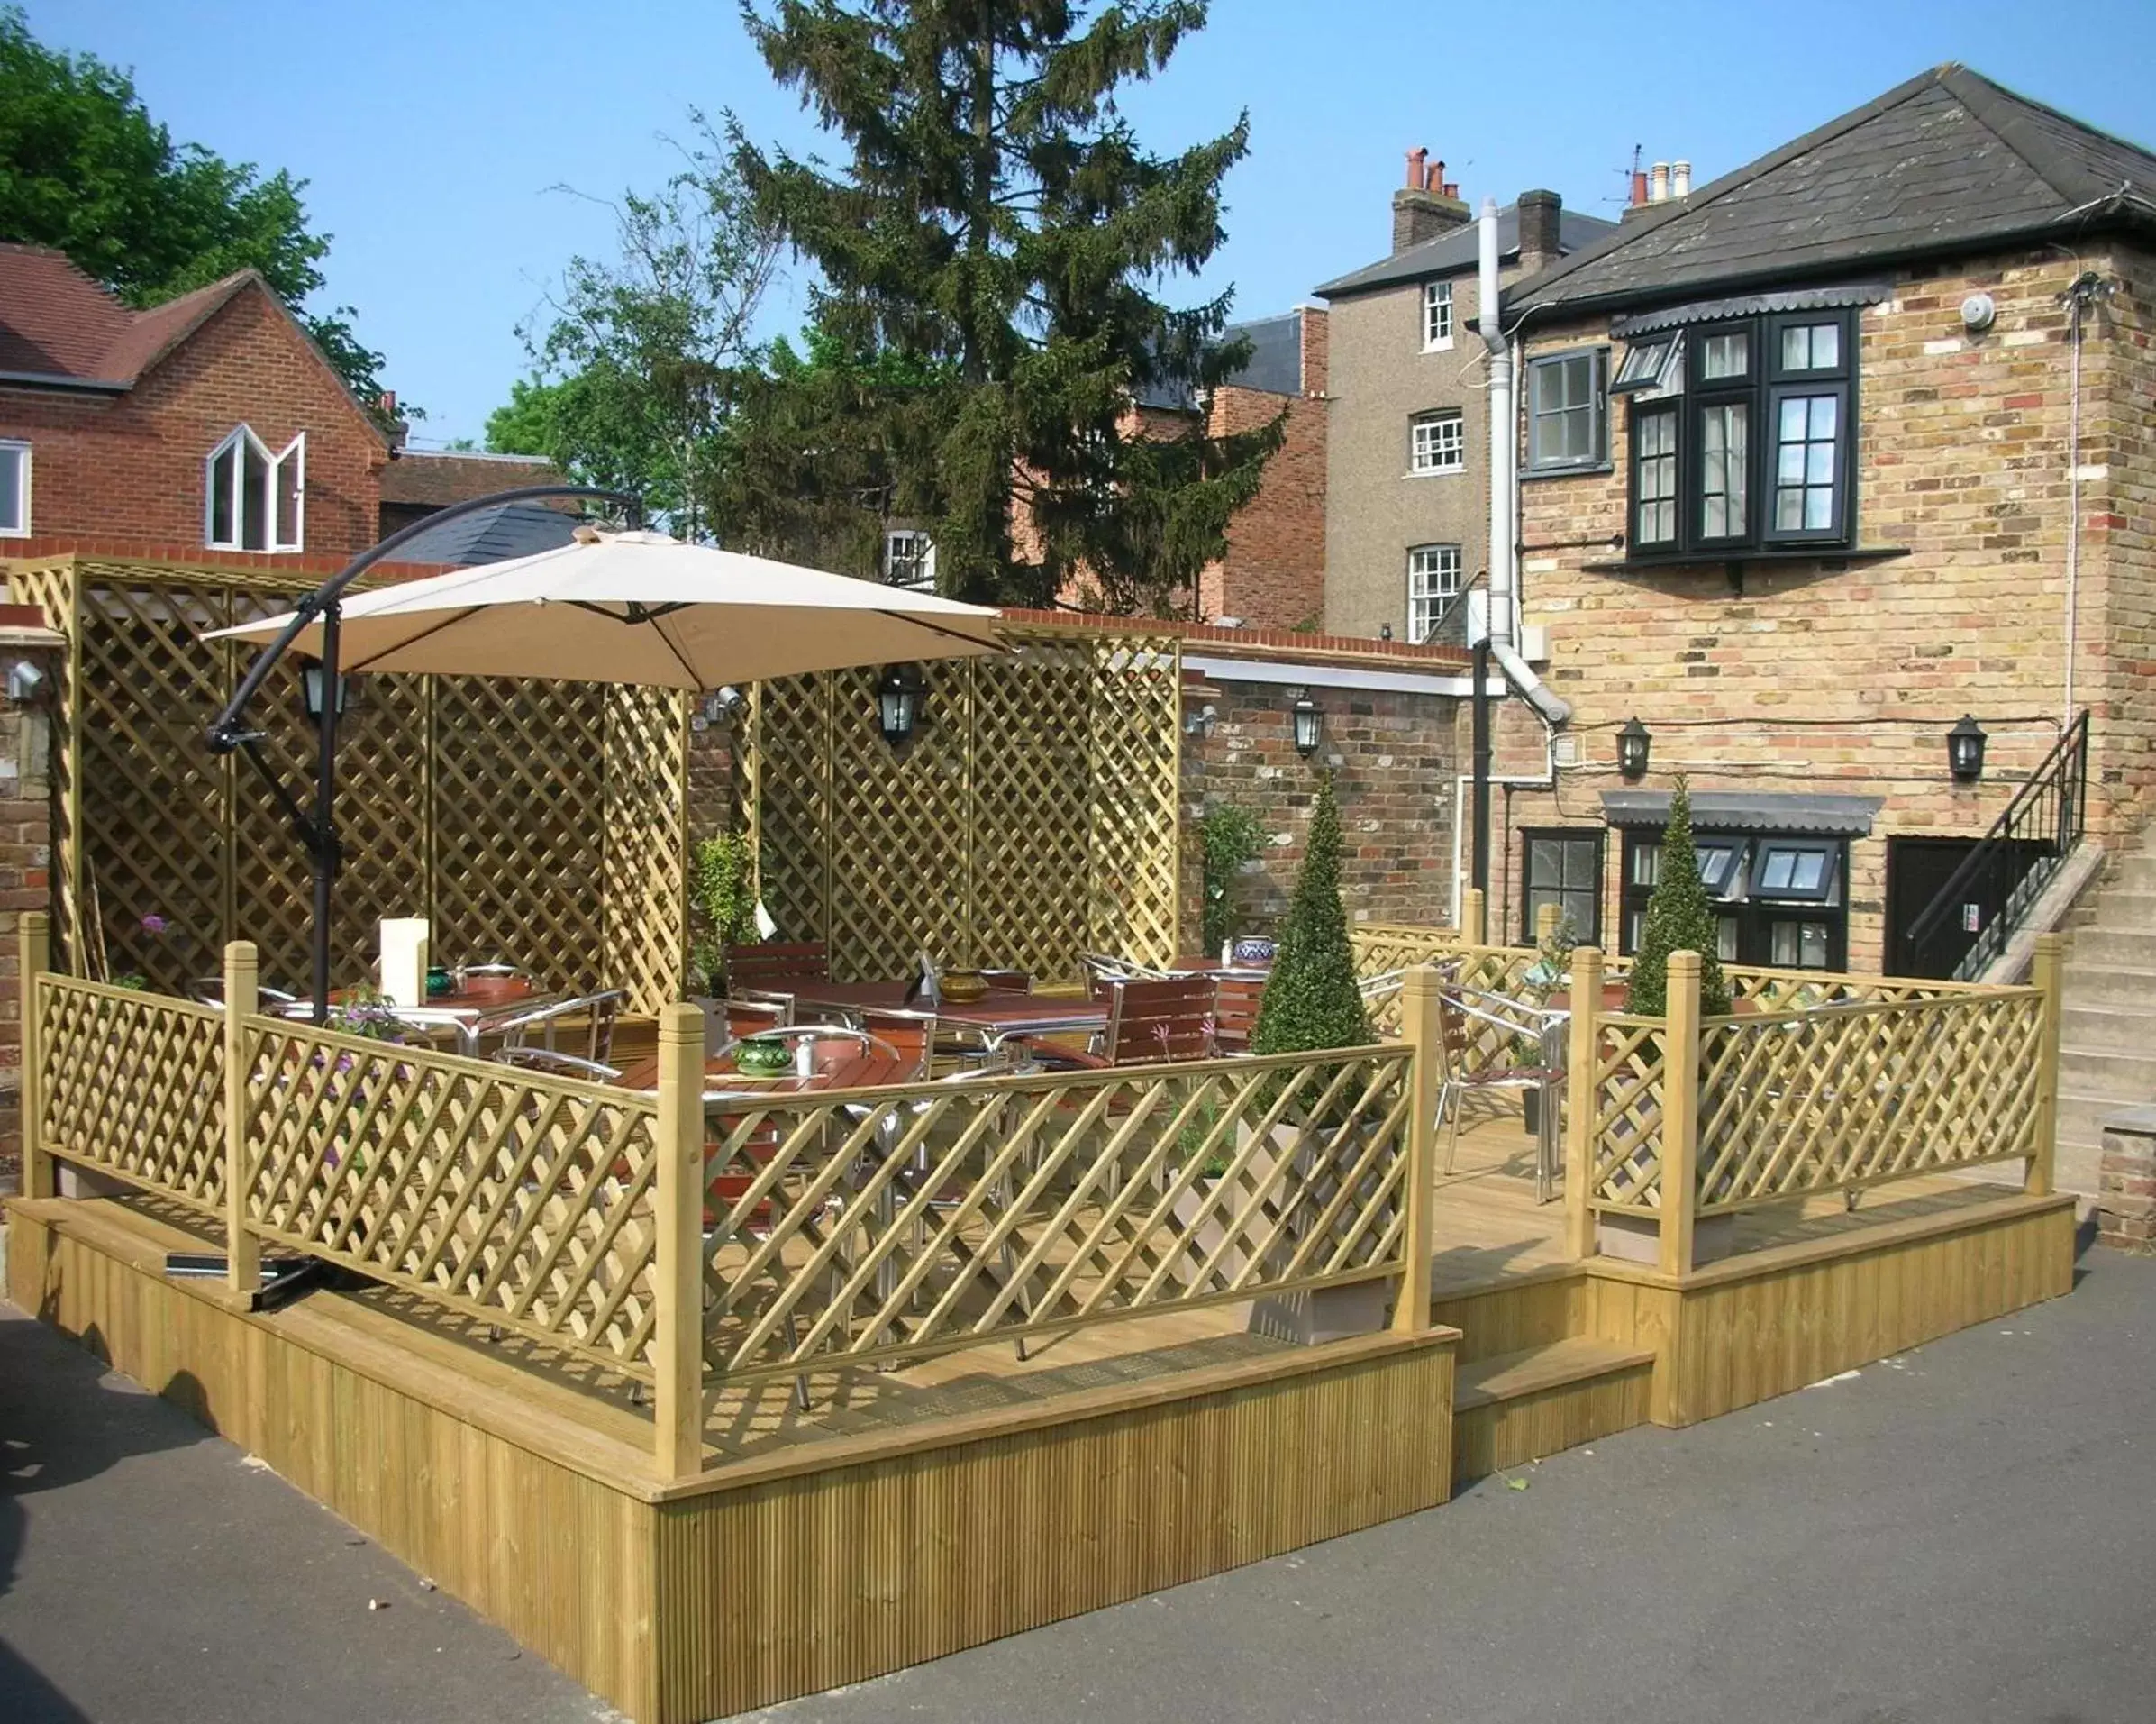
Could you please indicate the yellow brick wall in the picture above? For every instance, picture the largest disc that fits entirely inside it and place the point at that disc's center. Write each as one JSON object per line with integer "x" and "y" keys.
{"x": 1843, "y": 675}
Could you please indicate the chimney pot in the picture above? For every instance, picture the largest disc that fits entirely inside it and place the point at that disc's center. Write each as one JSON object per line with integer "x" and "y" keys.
{"x": 1639, "y": 189}
{"x": 1658, "y": 191}
{"x": 1680, "y": 179}
{"x": 1434, "y": 177}
{"x": 1451, "y": 188}
{"x": 1415, "y": 158}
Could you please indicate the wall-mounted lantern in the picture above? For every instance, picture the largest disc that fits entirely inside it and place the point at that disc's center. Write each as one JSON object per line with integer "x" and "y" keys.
{"x": 899, "y": 703}
{"x": 1309, "y": 725}
{"x": 1634, "y": 743}
{"x": 1965, "y": 750}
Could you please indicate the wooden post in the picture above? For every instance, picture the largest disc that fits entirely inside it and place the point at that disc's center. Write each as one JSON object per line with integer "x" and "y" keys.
{"x": 1582, "y": 1100}
{"x": 35, "y": 946}
{"x": 242, "y": 995}
{"x": 678, "y": 1400}
{"x": 1420, "y": 1003}
{"x": 1546, "y": 918}
{"x": 1474, "y": 925}
{"x": 1680, "y": 1113}
{"x": 2050, "y": 951}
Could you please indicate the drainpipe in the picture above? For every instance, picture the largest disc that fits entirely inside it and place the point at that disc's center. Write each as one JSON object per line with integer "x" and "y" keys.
{"x": 1503, "y": 446}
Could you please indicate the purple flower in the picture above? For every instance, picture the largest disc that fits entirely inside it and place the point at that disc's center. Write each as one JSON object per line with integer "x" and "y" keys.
{"x": 154, "y": 924}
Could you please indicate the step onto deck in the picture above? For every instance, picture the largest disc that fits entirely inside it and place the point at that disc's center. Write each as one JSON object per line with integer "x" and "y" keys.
{"x": 1518, "y": 1406}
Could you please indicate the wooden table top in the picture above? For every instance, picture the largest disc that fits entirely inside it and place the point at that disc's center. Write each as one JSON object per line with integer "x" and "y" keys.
{"x": 844, "y": 1066}
{"x": 997, "y": 1011}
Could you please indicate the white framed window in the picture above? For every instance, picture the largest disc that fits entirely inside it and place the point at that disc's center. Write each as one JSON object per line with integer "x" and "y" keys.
{"x": 253, "y": 500}
{"x": 1432, "y": 583}
{"x": 1437, "y": 315}
{"x": 1436, "y": 444}
{"x": 909, "y": 559}
{"x": 14, "y": 490}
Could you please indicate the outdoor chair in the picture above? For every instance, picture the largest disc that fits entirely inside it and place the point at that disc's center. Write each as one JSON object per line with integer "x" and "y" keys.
{"x": 1148, "y": 1022}
{"x": 736, "y": 1017}
{"x": 593, "y": 1015}
{"x": 1008, "y": 981}
{"x": 754, "y": 968}
{"x": 1100, "y": 968}
{"x": 1466, "y": 1017}
{"x": 911, "y": 1032}
{"x": 209, "y": 991}
{"x": 1237, "y": 996}
{"x": 555, "y": 1063}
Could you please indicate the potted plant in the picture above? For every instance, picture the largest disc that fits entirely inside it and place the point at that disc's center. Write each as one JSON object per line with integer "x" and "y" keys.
{"x": 1680, "y": 918}
{"x": 1552, "y": 963}
{"x": 722, "y": 896}
{"x": 1230, "y": 838}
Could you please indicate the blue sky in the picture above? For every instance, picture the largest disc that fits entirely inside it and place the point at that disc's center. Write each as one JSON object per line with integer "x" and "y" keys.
{"x": 433, "y": 133}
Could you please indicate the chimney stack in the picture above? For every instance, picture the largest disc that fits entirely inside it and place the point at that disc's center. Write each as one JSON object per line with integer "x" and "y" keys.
{"x": 1427, "y": 205}
{"x": 1680, "y": 179}
{"x": 1540, "y": 245}
{"x": 1658, "y": 184}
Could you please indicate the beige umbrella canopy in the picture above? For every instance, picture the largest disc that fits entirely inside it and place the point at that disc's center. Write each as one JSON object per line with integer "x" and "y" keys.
{"x": 640, "y": 608}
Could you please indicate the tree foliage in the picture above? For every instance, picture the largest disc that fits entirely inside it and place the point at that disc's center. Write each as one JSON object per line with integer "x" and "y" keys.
{"x": 996, "y": 230}
{"x": 1312, "y": 999}
{"x": 85, "y": 168}
{"x": 1679, "y": 918}
{"x": 640, "y": 359}
{"x": 1230, "y": 837}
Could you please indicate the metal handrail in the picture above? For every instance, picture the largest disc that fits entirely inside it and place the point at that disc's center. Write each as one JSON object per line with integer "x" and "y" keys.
{"x": 2017, "y": 857}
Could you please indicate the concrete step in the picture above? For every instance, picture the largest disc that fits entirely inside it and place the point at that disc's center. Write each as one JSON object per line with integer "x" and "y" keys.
{"x": 1518, "y": 1406}
{"x": 2100, "y": 984}
{"x": 2098, "y": 1071}
{"x": 2134, "y": 871}
{"x": 2123, "y": 910}
{"x": 2109, "y": 1028}
{"x": 2126, "y": 947}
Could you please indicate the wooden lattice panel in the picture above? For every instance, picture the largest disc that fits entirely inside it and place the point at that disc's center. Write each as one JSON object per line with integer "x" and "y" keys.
{"x": 385, "y": 765}
{"x": 898, "y": 1223}
{"x": 519, "y": 817}
{"x": 1843, "y": 1097}
{"x": 52, "y": 588}
{"x": 133, "y": 1084}
{"x": 646, "y": 784}
{"x": 522, "y": 1200}
{"x": 1627, "y": 1135}
{"x": 1033, "y": 816}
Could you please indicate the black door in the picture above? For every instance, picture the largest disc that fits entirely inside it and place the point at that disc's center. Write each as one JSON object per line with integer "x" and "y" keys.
{"x": 1917, "y": 868}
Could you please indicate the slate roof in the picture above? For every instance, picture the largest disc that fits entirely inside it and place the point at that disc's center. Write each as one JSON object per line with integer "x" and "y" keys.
{"x": 436, "y": 479}
{"x": 1459, "y": 250}
{"x": 491, "y": 535}
{"x": 1275, "y": 365}
{"x": 1948, "y": 162}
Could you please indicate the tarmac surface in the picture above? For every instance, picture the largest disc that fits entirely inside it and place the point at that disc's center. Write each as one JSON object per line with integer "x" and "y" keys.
{"x": 1966, "y": 1533}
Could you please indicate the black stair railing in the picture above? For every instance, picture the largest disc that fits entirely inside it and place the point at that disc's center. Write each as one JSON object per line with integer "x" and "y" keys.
{"x": 2010, "y": 867}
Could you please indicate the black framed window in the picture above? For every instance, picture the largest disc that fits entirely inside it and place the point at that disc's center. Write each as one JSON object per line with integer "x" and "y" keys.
{"x": 1778, "y": 901}
{"x": 1761, "y": 453}
{"x": 1568, "y": 411}
{"x": 1800, "y": 871}
{"x": 1564, "y": 868}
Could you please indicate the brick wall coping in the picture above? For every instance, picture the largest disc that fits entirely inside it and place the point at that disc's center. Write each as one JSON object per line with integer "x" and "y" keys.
{"x": 2139, "y": 1121}
{"x": 1259, "y": 644}
{"x": 197, "y": 560}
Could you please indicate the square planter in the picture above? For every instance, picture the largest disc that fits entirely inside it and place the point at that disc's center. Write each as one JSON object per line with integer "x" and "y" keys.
{"x": 1638, "y": 1238}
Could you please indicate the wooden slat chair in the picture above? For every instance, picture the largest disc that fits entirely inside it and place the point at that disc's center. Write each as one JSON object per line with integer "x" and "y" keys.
{"x": 1237, "y": 996}
{"x": 771, "y": 966}
{"x": 1008, "y": 981}
{"x": 586, "y": 1022}
{"x": 1148, "y": 1022}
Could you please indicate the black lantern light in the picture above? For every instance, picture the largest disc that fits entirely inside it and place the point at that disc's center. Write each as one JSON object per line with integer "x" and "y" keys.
{"x": 310, "y": 677}
{"x": 898, "y": 704}
{"x": 1633, "y": 744}
{"x": 1308, "y": 724}
{"x": 1965, "y": 750}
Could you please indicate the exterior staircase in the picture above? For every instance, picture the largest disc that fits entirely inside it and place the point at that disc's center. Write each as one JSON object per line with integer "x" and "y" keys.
{"x": 2107, "y": 1031}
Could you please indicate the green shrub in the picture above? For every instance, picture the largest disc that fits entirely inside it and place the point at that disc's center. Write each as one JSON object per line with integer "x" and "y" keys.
{"x": 1679, "y": 918}
{"x": 1231, "y": 837}
{"x": 722, "y": 896}
{"x": 1311, "y": 1002}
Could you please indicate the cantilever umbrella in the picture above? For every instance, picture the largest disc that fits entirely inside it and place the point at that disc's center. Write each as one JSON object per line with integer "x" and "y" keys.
{"x": 631, "y": 607}
{"x": 640, "y": 607}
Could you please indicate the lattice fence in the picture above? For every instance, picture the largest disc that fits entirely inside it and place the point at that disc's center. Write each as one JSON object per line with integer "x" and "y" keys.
{"x": 1626, "y": 1136}
{"x": 1848, "y": 1096}
{"x": 892, "y": 1224}
{"x": 521, "y": 1200}
{"x": 132, "y": 1084}
{"x": 537, "y": 822}
{"x": 1033, "y": 818}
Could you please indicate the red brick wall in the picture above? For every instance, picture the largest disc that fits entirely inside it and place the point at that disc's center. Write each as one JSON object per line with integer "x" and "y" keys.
{"x": 1393, "y": 763}
{"x": 1273, "y": 575}
{"x": 25, "y": 862}
{"x": 131, "y": 467}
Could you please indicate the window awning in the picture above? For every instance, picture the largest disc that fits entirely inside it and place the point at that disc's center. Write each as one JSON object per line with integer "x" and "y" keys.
{"x": 1747, "y": 811}
{"x": 1754, "y": 305}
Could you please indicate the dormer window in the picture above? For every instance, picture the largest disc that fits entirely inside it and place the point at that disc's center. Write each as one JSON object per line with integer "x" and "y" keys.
{"x": 254, "y": 500}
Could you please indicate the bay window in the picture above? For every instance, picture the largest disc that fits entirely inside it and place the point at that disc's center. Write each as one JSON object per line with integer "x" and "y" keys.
{"x": 1741, "y": 434}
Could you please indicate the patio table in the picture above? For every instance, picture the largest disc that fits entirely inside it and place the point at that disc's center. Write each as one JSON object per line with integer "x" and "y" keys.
{"x": 997, "y": 1015}
{"x": 463, "y": 1010}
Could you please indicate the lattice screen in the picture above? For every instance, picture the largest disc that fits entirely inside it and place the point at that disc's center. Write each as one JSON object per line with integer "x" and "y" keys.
{"x": 1033, "y": 816}
{"x": 537, "y": 822}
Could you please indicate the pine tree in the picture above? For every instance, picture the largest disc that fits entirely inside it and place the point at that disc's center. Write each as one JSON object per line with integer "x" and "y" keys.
{"x": 1312, "y": 1000}
{"x": 1679, "y": 918}
{"x": 995, "y": 228}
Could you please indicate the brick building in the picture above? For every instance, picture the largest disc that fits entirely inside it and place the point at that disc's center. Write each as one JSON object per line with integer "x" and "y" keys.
{"x": 1875, "y": 454}
{"x": 1407, "y": 474}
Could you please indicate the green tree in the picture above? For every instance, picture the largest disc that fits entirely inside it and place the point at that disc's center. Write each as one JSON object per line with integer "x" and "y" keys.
{"x": 1679, "y": 918}
{"x": 639, "y": 358}
{"x": 85, "y": 168}
{"x": 998, "y": 228}
{"x": 1312, "y": 999}
{"x": 1229, "y": 836}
